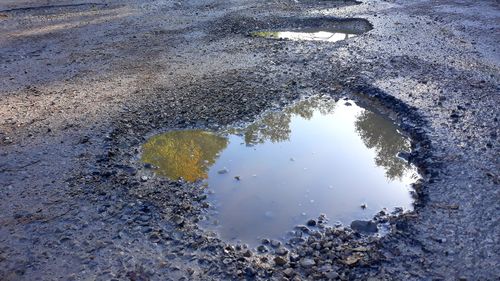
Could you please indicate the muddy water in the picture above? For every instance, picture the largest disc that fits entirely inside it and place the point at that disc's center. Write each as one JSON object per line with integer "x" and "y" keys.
{"x": 307, "y": 34}
{"x": 315, "y": 157}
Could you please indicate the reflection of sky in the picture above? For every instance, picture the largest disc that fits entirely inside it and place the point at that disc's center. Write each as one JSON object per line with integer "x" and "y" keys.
{"x": 314, "y": 36}
{"x": 332, "y": 172}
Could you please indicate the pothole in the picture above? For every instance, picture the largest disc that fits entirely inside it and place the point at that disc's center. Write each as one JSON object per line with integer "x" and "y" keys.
{"x": 306, "y": 34}
{"x": 318, "y": 156}
{"x": 329, "y": 31}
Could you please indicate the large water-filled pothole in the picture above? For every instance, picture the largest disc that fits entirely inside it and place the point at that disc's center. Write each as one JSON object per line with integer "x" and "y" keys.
{"x": 318, "y": 156}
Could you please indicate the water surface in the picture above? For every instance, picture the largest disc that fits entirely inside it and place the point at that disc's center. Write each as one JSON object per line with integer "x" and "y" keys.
{"x": 307, "y": 34}
{"x": 315, "y": 157}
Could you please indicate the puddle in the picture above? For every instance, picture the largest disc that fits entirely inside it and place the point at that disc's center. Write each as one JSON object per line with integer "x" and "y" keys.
{"x": 309, "y": 34}
{"x": 315, "y": 157}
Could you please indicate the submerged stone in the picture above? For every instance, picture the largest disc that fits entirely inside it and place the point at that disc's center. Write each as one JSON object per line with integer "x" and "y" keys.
{"x": 364, "y": 226}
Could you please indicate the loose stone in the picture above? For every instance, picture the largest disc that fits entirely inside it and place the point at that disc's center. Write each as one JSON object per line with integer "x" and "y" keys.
{"x": 306, "y": 262}
{"x": 364, "y": 226}
{"x": 280, "y": 261}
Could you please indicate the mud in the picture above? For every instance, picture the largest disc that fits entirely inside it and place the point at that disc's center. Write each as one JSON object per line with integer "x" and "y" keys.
{"x": 84, "y": 86}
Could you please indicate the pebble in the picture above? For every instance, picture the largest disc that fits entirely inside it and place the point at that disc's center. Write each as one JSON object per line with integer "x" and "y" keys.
{"x": 288, "y": 272}
{"x": 307, "y": 262}
{"x": 281, "y": 251}
{"x": 332, "y": 275}
{"x": 275, "y": 243}
{"x": 223, "y": 171}
{"x": 247, "y": 254}
{"x": 364, "y": 226}
{"x": 250, "y": 271}
{"x": 280, "y": 261}
{"x": 262, "y": 249}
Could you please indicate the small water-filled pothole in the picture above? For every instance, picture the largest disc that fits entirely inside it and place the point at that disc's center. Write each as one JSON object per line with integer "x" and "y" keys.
{"x": 307, "y": 34}
{"x": 318, "y": 156}
{"x": 317, "y": 29}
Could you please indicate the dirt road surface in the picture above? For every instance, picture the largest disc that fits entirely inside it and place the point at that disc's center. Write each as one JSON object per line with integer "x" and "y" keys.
{"x": 83, "y": 84}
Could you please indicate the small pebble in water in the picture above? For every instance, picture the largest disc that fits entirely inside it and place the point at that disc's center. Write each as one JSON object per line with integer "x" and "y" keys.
{"x": 223, "y": 171}
{"x": 363, "y": 206}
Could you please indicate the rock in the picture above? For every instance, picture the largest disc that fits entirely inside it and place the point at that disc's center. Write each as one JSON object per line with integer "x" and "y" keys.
{"x": 281, "y": 251}
{"x": 288, "y": 272}
{"x": 294, "y": 257}
{"x": 143, "y": 218}
{"x": 280, "y": 261}
{"x": 275, "y": 243}
{"x": 249, "y": 271}
{"x": 361, "y": 249}
{"x": 352, "y": 260}
{"x": 306, "y": 262}
{"x": 262, "y": 249}
{"x": 296, "y": 240}
{"x": 364, "y": 226}
{"x": 178, "y": 220}
{"x": 247, "y": 254}
{"x": 311, "y": 223}
{"x": 303, "y": 228}
{"x": 363, "y": 206}
{"x": 223, "y": 171}
{"x": 332, "y": 275}
{"x": 154, "y": 238}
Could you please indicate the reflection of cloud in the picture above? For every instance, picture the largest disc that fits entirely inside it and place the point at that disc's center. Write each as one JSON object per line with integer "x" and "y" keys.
{"x": 186, "y": 154}
{"x": 275, "y": 126}
{"x": 380, "y": 134}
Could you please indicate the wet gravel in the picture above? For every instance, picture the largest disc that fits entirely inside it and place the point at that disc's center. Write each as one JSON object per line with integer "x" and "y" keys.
{"x": 83, "y": 86}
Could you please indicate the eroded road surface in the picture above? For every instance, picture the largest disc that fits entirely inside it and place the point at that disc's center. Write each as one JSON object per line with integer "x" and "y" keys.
{"x": 83, "y": 85}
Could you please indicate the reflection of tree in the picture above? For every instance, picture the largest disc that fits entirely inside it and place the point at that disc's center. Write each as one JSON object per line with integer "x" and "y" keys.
{"x": 186, "y": 154}
{"x": 379, "y": 133}
{"x": 275, "y": 126}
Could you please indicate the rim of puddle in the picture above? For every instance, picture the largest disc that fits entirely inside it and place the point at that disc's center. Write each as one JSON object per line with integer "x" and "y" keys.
{"x": 225, "y": 130}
